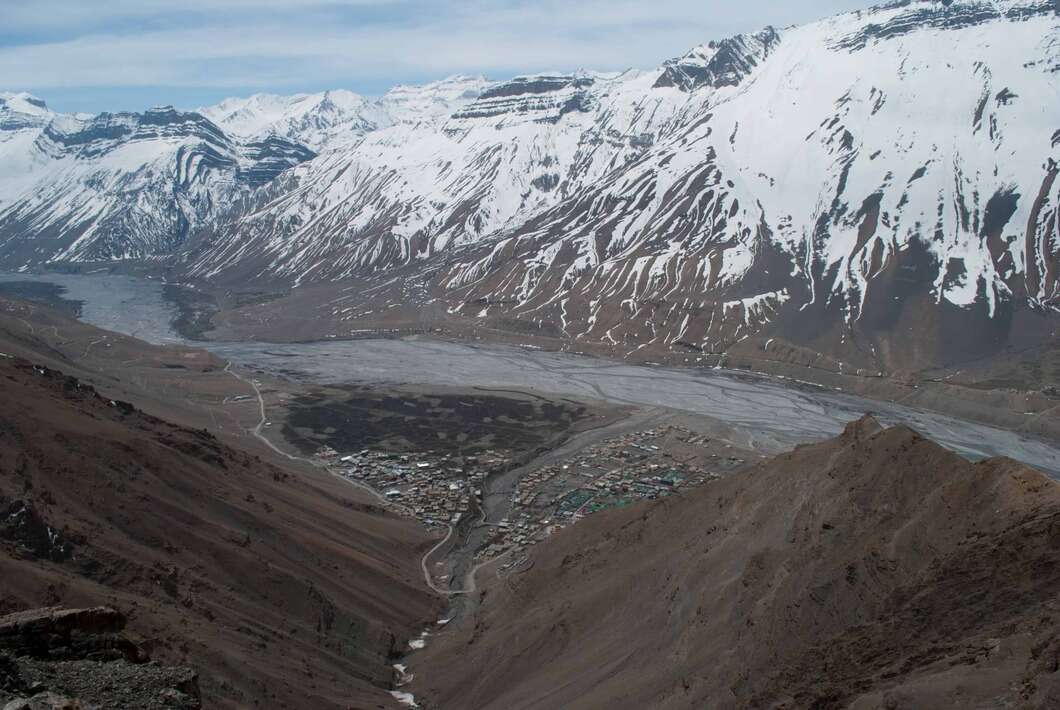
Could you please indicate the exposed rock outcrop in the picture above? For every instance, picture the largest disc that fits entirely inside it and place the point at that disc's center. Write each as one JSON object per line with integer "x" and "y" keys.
{"x": 79, "y": 659}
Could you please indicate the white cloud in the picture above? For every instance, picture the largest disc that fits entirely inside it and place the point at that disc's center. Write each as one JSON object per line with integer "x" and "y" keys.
{"x": 275, "y": 44}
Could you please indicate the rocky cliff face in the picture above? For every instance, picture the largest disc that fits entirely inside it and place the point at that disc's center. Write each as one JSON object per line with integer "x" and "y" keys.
{"x": 79, "y": 659}
{"x": 718, "y": 64}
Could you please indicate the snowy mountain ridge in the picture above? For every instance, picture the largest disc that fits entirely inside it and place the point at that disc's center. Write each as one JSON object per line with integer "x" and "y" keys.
{"x": 835, "y": 184}
{"x": 867, "y": 173}
{"x": 340, "y": 116}
{"x": 135, "y": 185}
{"x": 121, "y": 186}
{"x": 19, "y": 110}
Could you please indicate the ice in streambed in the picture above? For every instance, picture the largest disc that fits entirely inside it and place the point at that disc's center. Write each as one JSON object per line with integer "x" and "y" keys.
{"x": 406, "y": 699}
{"x": 404, "y": 677}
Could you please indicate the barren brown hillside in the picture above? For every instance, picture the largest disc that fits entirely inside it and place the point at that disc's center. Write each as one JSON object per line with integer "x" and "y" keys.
{"x": 279, "y": 588}
{"x": 877, "y": 570}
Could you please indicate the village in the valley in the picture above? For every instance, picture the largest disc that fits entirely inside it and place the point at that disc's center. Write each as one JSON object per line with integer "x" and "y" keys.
{"x": 644, "y": 465}
{"x": 440, "y": 489}
{"x": 436, "y": 489}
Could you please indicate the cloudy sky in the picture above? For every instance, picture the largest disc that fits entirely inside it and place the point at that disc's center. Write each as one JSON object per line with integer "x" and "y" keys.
{"x": 92, "y": 55}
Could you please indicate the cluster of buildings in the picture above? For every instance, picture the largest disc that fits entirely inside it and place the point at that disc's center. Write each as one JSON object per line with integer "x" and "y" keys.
{"x": 438, "y": 489}
{"x": 644, "y": 465}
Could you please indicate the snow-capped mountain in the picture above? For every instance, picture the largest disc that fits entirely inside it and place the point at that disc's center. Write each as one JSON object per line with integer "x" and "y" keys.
{"x": 136, "y": 185}
{"x": 310, "y": 119}
{"x": 838, "y": 186}
{"x": 119, "y": 186}
{"x": 339, "y": 117}
{"x": 22, "y": 110}
{"x": 891, "y": 166}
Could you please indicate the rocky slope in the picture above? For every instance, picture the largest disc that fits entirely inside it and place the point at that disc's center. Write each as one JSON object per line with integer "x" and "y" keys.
{"x": 874, "y": 570}
{"x": 79, "y": 659}
{"x": 279, "y": 587}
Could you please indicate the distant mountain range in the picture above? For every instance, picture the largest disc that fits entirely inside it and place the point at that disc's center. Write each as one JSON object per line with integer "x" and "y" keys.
{"x": 879, "y": 186}
{"x": 333, "y": 118}
{"x": 136, "y": 185}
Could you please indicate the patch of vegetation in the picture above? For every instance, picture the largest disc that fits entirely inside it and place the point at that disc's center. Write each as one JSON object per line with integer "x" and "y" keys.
{"x": 195, "y": 311}
{"x": 405, "y": 422}
{"x": 42, "y": 292}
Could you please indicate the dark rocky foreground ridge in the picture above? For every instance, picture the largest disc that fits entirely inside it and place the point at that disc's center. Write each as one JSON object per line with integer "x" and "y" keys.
{"x": 79, "y": 659}
{"x": 876, "y": 570}
{"x": 280, "y": 589}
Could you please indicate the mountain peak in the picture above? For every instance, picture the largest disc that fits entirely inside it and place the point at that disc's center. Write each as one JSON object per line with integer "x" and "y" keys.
{"x": 719, "y": 63}
{"x": 21, "y": 110}
{"x": 309, "y": 119}
{"x": 902, "y": 18}
{"x": 23, "y": 102}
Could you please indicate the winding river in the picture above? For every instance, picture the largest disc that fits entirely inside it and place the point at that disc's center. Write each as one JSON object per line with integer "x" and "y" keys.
{"x": 771, "y": 413}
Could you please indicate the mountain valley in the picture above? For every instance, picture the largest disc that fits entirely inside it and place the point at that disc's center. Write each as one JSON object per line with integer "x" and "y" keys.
{"x": 729, "y": 382}
{"x": 797, "y": 196}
